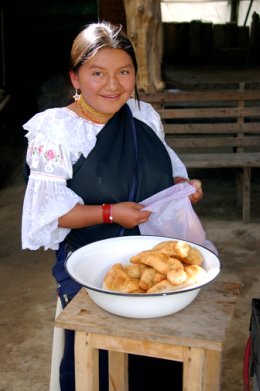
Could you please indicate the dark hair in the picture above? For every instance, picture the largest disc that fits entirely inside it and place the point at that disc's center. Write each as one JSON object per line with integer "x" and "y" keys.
{"x": 96, "y": 36}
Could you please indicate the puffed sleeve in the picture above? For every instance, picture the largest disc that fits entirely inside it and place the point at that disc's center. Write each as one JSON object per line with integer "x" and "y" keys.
{"x": 147, "y": 114}
{"x": 56, "y": 139}
{"x": 47, "y": 197}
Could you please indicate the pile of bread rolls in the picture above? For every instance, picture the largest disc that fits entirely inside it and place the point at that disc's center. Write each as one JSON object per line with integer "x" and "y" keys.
{"x": 168, "y": 266}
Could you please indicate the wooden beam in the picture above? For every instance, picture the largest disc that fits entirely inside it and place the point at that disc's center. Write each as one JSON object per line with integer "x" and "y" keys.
{"x": 144, "y": 28}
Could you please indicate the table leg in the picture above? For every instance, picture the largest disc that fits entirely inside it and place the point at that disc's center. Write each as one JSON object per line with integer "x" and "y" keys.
{"x": 118, "y": 371}
{"x": 212, "y": 370}
{"x": 86, "y": 363}
{"x": 201, "y": 370}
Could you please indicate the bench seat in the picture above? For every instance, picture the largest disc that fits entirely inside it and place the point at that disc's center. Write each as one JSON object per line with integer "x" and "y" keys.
{"x": 221, "y": 160}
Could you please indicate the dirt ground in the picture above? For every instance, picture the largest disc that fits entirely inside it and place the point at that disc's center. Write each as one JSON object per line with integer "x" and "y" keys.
{"x": 27, "y": 289}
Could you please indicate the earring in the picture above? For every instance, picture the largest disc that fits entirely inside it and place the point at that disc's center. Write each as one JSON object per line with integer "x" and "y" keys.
{"x": 77, "y": 95}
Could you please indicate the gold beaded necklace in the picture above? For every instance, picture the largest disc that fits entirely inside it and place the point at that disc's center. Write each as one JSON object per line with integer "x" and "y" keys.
{"x": 92, "y": 114}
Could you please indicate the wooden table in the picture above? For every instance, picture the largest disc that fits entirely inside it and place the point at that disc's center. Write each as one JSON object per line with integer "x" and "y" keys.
{"x": 194, "y": 336}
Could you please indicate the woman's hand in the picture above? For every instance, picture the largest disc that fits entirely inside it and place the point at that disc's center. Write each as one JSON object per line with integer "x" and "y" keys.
{"x": 197, "y": 196}
{"x": 129, "y": 214}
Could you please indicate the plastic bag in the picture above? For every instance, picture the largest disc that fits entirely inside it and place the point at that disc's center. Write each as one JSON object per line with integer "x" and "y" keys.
{"x": 173, "y": 216}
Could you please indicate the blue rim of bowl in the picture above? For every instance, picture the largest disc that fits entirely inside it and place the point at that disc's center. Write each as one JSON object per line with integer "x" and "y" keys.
{"x": 183, "y": 290}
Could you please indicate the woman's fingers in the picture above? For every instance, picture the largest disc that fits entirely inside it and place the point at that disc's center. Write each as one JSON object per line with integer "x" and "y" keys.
{"x": 197, "y": 196}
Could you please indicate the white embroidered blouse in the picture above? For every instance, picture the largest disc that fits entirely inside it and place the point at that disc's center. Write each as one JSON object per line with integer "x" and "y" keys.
{"x": 56, "y": 139}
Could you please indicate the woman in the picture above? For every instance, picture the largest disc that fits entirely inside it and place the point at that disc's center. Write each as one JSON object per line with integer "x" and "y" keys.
{"x": 92, "y": 162}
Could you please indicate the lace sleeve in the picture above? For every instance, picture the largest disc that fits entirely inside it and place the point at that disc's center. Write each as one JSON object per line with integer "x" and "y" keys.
{"x": 47, "y": 197}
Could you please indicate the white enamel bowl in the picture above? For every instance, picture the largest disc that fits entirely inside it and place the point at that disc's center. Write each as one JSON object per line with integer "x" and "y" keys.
{"x": 89, "y": 264}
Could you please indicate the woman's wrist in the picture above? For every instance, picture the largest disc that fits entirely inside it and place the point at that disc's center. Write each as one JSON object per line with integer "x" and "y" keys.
{"x": 107, "y": 213}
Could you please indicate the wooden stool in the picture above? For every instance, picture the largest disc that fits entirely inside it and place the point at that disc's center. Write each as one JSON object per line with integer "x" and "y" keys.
{"x": 193, "y": 336}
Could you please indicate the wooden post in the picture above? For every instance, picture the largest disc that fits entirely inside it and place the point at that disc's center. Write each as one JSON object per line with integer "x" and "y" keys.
{"x": 144, "y": 28}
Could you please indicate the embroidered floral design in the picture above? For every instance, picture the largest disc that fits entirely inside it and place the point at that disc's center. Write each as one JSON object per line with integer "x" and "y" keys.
{"x": 49, "y": 155}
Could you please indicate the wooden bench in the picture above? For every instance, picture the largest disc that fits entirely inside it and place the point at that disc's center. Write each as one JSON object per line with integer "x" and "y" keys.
{"x": 214, "y": 129}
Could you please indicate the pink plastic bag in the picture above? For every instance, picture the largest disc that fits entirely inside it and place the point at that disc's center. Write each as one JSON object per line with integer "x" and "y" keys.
{"x": 173, "y": 216}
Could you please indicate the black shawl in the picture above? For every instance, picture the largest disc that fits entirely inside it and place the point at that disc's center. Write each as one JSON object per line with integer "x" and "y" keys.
{"x": 127, "y": 154}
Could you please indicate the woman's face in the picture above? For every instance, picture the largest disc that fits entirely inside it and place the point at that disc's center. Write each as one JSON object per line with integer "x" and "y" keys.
{"x": 107, "y": 80}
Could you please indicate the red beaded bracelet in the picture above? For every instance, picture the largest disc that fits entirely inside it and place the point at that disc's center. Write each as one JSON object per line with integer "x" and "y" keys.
{"x": 107, "y": 213}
